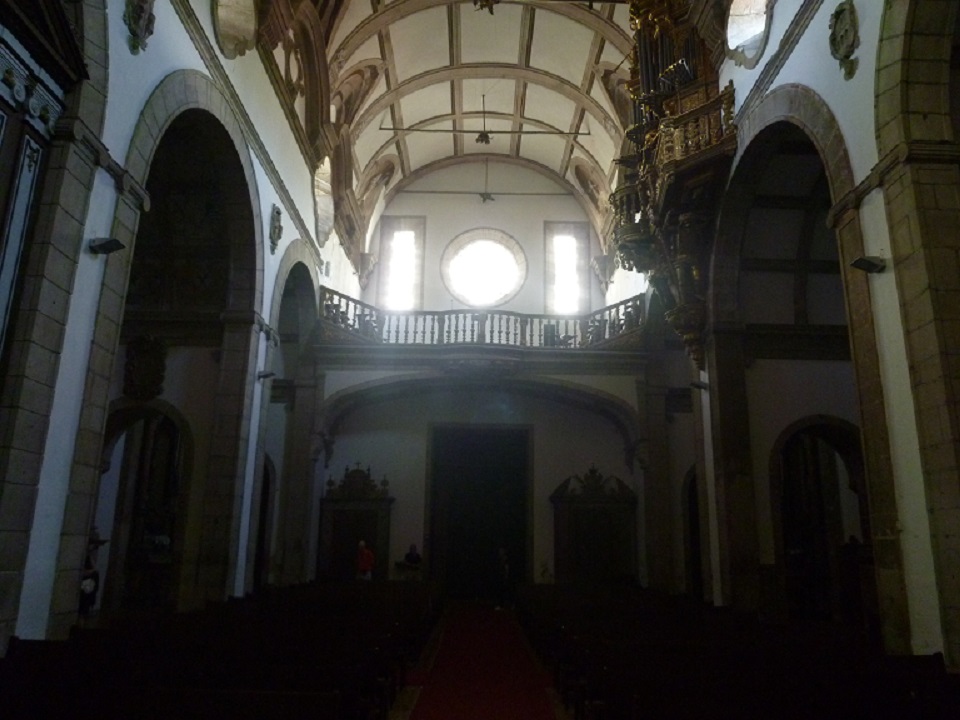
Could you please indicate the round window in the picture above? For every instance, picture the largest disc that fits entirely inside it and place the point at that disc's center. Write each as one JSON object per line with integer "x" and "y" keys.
{"x": 747, "y": 28}
{"x": 483, "y": 267}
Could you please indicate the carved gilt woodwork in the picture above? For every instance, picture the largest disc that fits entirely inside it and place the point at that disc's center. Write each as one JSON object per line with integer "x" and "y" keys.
{"x": 595, "y": 526}
{"x": 680, "y": 144}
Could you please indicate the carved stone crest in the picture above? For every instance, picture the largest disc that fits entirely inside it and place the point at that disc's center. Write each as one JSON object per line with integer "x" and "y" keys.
{"x": 139, "y": 19}
{"x": 276, "y": 228}
{"x": 845, "y": 37}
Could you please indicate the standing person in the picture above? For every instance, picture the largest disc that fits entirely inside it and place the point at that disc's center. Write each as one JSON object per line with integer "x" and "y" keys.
{"x": 365, "y": 561}
{"x": 503, "y": 579}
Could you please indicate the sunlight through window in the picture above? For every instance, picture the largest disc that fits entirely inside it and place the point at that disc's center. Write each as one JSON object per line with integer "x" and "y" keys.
{"x": 401, "y": 273}
{"x": 483, "y": 267}
{"x": 484, "y": 272}
{"x": 566, "y": 285}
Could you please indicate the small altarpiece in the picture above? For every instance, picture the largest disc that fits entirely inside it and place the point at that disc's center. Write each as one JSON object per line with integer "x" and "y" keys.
{"x": 357, "y": 508}
{"x": 595, "y": 530}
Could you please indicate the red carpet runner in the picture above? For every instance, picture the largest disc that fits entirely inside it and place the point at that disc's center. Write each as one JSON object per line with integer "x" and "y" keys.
{"x": 484, "y": 670}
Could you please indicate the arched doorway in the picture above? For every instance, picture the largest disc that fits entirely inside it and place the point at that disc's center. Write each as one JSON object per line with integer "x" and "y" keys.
{"x": 823, "y": 529}
{"x": 147, "y": 463}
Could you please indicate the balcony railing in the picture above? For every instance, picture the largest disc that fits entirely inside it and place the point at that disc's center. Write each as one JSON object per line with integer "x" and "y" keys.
{"x": 358, "y": 321}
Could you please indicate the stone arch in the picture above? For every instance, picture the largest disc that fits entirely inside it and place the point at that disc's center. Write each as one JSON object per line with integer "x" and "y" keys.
{"x": 803, "y": 108}
{"x": 913, "y": 41}
{"x": 298, "y": 252}
{"x": 176, "y": 94}
{"x": 843, "y": 437}
{"x": 124, "y": 414}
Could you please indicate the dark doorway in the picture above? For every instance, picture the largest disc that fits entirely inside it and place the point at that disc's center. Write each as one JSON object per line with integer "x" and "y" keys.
{"x": 693, "y": 536}
{"x": 478, "y": 504}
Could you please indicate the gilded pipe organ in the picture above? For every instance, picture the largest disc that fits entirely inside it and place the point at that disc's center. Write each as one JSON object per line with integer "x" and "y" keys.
{"x": 677, "y": 152}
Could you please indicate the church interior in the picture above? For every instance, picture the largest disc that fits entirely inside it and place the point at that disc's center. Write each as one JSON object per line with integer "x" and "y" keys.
{"x": 639, "y": 319}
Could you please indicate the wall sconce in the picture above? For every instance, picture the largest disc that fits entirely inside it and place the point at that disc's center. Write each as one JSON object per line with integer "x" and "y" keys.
{"x": 265, "y": 374}
{"x": 870, "y": 264}
{"x": 105, "y": 246}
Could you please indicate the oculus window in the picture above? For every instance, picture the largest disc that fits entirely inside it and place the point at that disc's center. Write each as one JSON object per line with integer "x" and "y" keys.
{"x": 747, "y": 29}
{"x": 483, "y": 267}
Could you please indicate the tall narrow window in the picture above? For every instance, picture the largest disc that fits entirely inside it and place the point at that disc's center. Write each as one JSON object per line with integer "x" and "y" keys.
{"x": 401, "y": 271}
{"x": 566, "y": 284}
{"x": 401, "y": 242}
{"x": 567, "y": 280}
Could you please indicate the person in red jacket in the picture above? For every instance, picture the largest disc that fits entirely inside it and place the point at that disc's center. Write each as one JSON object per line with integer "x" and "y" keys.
{"x": 365, "y": 562}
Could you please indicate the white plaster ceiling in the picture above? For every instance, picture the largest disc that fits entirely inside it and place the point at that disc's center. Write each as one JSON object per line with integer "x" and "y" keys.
{"x": 534, "y": 65}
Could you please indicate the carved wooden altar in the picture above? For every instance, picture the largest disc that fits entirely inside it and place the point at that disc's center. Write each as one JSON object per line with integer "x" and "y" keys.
{"x": 595, "y": 530}
{"x": 358, "y": 508}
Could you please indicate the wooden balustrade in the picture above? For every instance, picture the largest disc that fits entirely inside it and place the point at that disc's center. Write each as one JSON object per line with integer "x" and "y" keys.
{"x": 479, "y": 327}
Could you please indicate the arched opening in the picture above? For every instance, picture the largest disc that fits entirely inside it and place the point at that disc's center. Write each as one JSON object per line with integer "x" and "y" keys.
{"x": 288, "y": 428}
{"x": 823, "y": 544}
{"x": 146, "y": 460}
{"x": 777, "y": 275}
{"x": 183, "y": 340}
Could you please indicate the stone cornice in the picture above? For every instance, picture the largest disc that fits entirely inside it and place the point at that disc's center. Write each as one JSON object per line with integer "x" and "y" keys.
{"x": 905, "y": 153}
{"x": 75, "y": 130}
{"x": 798, "y": 26}
{"x": 211, "y": 61}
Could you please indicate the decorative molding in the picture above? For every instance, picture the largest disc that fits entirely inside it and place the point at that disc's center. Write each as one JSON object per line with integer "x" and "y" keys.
{"x": 845, "y": 37}
{"x": 357, "y": 484}
{"x": 235, "y": 26}
{"x": 593, "y": 485}
{"x": 139, "y": 19}
{"x": 771, "y": 70}
{"x": 211, "y": 61}
{"x": 77, "y": 131}
{"x": 905, "y": 153}
{"x": 23, "y": 88}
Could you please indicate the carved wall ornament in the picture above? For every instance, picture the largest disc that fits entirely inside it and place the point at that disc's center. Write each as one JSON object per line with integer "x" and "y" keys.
{"x": 139, "y": 19}
{"x": 235, "y": 26}
{"x": 357, "y": 484}
{"x": 276, "y": 228}
{"x": 845, "y": 37}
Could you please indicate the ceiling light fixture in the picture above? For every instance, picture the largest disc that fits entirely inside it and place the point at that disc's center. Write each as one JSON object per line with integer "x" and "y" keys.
{"x": 485, "y": 5}
{"x": 484, "y": 137}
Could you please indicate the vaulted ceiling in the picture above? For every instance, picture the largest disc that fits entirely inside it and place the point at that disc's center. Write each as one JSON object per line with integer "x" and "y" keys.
{"x": 417, "y": 81}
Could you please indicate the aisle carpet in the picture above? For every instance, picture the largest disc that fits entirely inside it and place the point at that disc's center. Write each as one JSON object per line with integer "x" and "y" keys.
{"x": 484, "y": 670}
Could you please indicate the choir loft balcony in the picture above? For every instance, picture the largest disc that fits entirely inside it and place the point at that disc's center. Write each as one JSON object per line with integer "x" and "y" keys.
{"x": 366, "y": 334}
